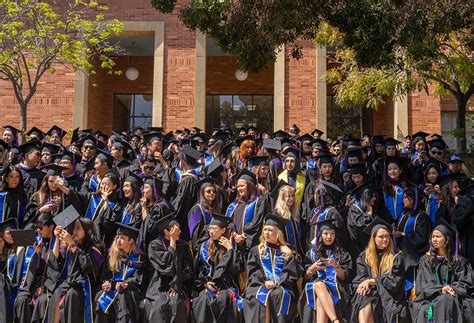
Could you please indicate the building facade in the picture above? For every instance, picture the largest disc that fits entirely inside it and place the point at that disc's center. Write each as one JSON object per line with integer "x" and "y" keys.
{"x": 175, "y": 78}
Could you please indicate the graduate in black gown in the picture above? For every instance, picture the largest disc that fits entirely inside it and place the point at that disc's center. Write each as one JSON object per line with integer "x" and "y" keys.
{"x": 32, "y": 177}
{"x": 132, "y": 209}
{"x": 123, "y": 280}
{"x": 7, "y": 270}
{"x": 219, "y": 263}
{"x": 463, "y": 220}
{"x": 12, "y": 197}
{"x": 326, "y": 294}
{"x": 171, "y": 270}
{"x": 379, "y": 282}
{"x": 72, "y": 301}
{"x": 272, "y": 269}
{"x": 444, "y": 283}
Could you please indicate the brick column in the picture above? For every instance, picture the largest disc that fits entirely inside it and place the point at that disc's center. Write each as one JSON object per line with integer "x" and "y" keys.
{"x": 321, "y": 92}
{"x": 279, "y": 91}
{"x": 200, "y": 82}
{"x": 400, "y": 117}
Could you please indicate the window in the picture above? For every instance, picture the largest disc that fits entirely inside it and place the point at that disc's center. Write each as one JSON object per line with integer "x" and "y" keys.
{"x": 132, "y": 111}
{"x": 448, "y": 124}
{"x": 235, "y": 111}
{"x": 353, "y": 121}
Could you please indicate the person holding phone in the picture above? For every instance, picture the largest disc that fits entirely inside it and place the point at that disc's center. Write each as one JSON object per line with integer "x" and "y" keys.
{"x": 219, "y": 264}
{"x": 327, "y": 272}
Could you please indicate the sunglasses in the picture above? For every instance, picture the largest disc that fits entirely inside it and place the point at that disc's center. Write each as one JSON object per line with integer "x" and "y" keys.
{"x": 88, "y": 147}
{"x": 436, "y": 152}
{"x": 148, "y": 167}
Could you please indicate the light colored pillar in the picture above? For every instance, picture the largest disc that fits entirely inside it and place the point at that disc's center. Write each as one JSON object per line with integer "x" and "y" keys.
{"x": 279, "y": 91}
{"x": 200, "y": 82}
{"x": 80, "y": 101}
{"x": 321, "y": 93}
{"x": 158, "y": 71}
{"x": 400, "y": 117}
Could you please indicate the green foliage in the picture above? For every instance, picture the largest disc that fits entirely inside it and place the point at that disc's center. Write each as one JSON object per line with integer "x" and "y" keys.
{"x": 459, "y": 132}
{"x": 35, "y": 35}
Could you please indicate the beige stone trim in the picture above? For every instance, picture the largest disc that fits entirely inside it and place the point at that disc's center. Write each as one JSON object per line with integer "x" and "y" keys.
{"x": 400, "y": 117}
{"x": 200, "y": 81}
{"x": 279, "y": 91}
{"x": 80, "y": 100}
{"x": 321, "y": 93}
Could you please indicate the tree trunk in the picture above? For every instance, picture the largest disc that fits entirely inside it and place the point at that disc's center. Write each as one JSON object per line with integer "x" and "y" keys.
{"x": 461, "y": 104}
{"x": 23, "y": 122}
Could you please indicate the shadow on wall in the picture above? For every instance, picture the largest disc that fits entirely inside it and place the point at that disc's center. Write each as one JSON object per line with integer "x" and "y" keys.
{"x": 468, "y": 167}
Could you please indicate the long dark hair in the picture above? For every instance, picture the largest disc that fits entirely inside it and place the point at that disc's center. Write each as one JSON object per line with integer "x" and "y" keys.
{"x": 44, "y": 194}
{"x": 452, "y": 260}
{"x": 137, "y": 194}
{"x": 212, "y": 248}
{"x": 212, "y": 207}
{"x": 446, "y": 197}
{"x": 366, "y": 197}
{"x": 321, "y": 247}
{"x": 91, "y": 238}
{"x": 19, "y": 191}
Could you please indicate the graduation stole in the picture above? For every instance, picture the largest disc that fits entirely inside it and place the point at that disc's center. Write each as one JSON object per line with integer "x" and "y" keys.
{"x": 25, "y": 266}
{"x": 322, "y": 216}
{"x": 432, "y": 207}
{"x": 329, "y": 277}
{"x": 3, "y": 202}
{"x": 197, "y": 216}
{"x": 180, "y": 173}
{"x": 394, "y": 203}
{"x": 414, "y": 156}
{"x": 126, "y": 216}
{"x": 208, "y": 159}
{"x": 311, "y": 164}
{"x": 292, "y": 232}
{"x": 94, "y": 184}
{"x": 273, "y": 263}
{"x": 231, "y": 208}
{"x": 299, "y": 189}
{"x": 410, "y": 224}
{"x": 88, "y": 293}
{"x": 241, "y": 165}
{"x": 127, "y": 269}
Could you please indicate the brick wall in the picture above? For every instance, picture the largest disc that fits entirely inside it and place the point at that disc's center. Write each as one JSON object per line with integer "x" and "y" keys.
{"x": 300, "y": 89}
{"x": 382, "y": 123}
{"x": 220, "y": 78}
{"x": 424, "y": 112}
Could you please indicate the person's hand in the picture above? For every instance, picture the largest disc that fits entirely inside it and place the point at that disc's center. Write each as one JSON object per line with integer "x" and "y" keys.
{"x": 398, "y": 234}
{"x": 226, "y": 243}
{"x": 437, "y": 190}
{"x": 174, "y": 233}
{"x": 158, "y": 156}
{"x": 211, "y": 286}
{"x": 240, "y": 238}
{"x": 48, "y": 208}
{"x": 143, "y": 201}
{"x": 57, "y": 232}
{"x": 106, "y": 286}
{"x": 332, "y": 262}
{"x": 286, "y": 251}
{"x": 119, "y": 286}
{"x": 319, "y": 265}
{"x": 262, "y": 188}
{"x": 37, "y": 248}
{"x": 349, "y": 200}
{"x": 67, "y": 238}
{"x": 105, "y": 192}
{"x": 269, "y": 284}
{"x": 363, "y": 288}
{"x": 59, "y": 181}
{"x": 448, "y": 290}
{"x": 456, "y": 199}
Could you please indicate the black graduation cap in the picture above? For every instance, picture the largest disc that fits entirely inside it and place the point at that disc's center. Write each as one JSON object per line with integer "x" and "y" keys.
{"x": 52, "y": 169}
{"x": 29, "y": 146}
{"x": 14, "y": 130}
{"x": 45, "y": 218}
{"x": 134, "y": 179}
{"x": 224, "y": 151}
{"x": 61, "y": 133}
{"x": 446, "y": 178}
{"x": 276, "y": 220}
{"x": 113, "y": 174}
{"x": 258, "y": 160}
{"x": 317, "y": 132}
{"x": 201, "y": 137}
{"x": 251, "y": 128}
{"x": 376, "y": 224}
{"x": 330, "y": 186}
{"x": 354, "y": 151}
{"x": 271, "y": 144}
{"x": 220, "y": 135}
{"x": 155, "y": 129}
{"x": 293, "y": 152}
{"x": 10, "y": 224}
{"x": 420, "y": 134}
{"x": 105, "y": 157}
{"x": 189, "y": 154}
{"x": 197, "y": 130}
{"x": 297, "y": 129}
{"x": 51, "y": 148}
{"x": 437, "y": 143}
{"x": 99, "y": 134}
{"x": 305, "y": 137}
{"x": 432, "y": 162}
{"x": 166, "y": 221}
{"x": 327, "y": 224}
{"x": 378, "y": 139}
{"x": 126, "y": 230}
{"x": 353, "y": 141}
{"x": 240, "y": 140}
{"x": 220, "y": 220}
{"x": 186, "y": 131}
{"x": 358, "y": 190}
{"x": 285, "y": 143}
{"x": 319, "y": 143}
{"x": 247, "y": 175}
{"x": 204, "y": 182}
{"x": 391, "y": 142}
{"x": 88, "y": 139}
{"x": 436, "y": 136}
{"x": 4, "y": 144}
{"x": 24, "y": 238}
{"x": 445, "y": 228}
{"x": 280, "y": 134}
{"x": 214, "y": 168}
{"x": 188, "y": 141}
{"x": 149, "y": 137}
{"x": 325, "y": 157}
{"x": 276, "y": 190}
{"x": 75, "y": 136}
{"x": 37, "y": 132}
{"x": 358, "y": 168}
{"x": 66, "y": 217}
{"x": 69, "y": 155}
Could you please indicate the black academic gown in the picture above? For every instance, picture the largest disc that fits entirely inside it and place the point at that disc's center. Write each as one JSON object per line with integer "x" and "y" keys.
{"x": 171, "y": 270}
{"x": 340, "y": 287}
{"x": 221, "y": 306}
{"x": 463, "y": 219}
{"x": 387, "y": 296}
{"x": 124, "y": 307}
{"x": 76, "y": 293}
{"x": 254, "y": 311}
{"x": 31, "y": 180}
{"x": 74, "y": 182}
{"x": 431, "y": 303}
{"x": 13, "y": 207}
{"x": 5, "y": 315}
{"x": 149, "y": 230}
{"x": 198, "y": 219}
{"x": 183, "y": 200}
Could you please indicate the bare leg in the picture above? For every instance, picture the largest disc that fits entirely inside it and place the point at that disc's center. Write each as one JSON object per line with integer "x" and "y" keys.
{"x": 57, "y": 314}
{"x": 366, "y": 314}
{"x": 267, "y": 314}
{"x": 324, "y": 297}
{"x": 321, "y": 316}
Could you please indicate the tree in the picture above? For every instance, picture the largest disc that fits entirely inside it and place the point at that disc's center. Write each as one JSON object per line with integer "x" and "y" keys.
{"x": 386, "y": 46}
{"x": 35, "y": 36}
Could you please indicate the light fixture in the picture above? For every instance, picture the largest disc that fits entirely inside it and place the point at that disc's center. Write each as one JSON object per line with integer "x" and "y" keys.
{"x": 241, "y": 75}
{"x": 132, "y": 73}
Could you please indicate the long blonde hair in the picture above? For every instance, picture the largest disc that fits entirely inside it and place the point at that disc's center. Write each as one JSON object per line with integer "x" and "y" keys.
{"x": 282, "y": 208}
{"x": 372, "y": 259}
{"x": 263, "y": 243}
{"x": 116, "y": 255}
